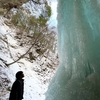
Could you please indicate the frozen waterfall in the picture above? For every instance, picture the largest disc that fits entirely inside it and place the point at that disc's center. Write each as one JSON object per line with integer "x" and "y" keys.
{"x": 78, "y": 74}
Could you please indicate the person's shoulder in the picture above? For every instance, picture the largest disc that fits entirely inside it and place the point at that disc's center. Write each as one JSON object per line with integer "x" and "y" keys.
{"x": 17, "y": 82}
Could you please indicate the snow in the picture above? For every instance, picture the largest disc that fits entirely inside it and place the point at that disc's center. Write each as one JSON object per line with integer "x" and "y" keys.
{"x": 53, "y": 18}
{"x": 34, "y": 87}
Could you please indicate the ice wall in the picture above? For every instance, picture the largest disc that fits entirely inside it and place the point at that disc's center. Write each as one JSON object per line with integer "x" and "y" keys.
{"x": 78, "y": 75}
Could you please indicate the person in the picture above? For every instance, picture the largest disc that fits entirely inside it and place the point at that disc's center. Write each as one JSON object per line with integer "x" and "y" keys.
{"x": 17, "y": 87}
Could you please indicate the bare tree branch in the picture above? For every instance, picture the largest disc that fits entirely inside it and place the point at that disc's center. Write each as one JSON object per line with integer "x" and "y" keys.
{"x": 4, "y": 40}
{"x": 4, "y": 61}
{"x": 24, "y": 53}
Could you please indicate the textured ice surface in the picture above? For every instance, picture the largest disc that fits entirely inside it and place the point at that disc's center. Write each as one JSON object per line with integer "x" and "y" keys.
{"x": 78, "y": 75}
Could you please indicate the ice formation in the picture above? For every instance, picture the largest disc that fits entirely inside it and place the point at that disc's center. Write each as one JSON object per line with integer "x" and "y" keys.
{"x": 78, "y": 74}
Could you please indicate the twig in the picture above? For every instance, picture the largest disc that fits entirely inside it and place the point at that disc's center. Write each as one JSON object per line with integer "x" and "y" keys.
{"x": 24, "y": 53}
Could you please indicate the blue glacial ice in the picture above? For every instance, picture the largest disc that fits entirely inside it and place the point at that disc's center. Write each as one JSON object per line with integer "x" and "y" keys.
{"x": 78, "y": 74}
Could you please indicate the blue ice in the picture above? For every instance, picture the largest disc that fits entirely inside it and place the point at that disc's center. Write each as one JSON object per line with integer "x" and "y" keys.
{"x": 78, "y": 74}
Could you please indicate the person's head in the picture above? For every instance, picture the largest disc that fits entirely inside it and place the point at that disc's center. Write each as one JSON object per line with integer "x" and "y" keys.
{"x": 19, "y": 75}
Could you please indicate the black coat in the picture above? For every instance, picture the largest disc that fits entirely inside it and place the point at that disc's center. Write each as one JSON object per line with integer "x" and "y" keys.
{"x": 17, "y": 90}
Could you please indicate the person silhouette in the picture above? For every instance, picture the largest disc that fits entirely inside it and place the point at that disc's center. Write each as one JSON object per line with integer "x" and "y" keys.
{"x": 17, "y": 87}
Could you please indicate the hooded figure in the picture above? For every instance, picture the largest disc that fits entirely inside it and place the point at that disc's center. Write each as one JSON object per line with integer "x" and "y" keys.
{"x": 17, "y": 87}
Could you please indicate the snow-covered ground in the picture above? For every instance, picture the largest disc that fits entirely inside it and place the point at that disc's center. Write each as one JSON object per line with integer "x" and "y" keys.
{"x": 36, "y": 83}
